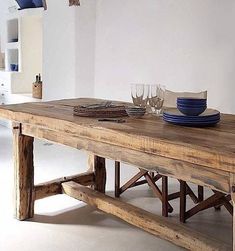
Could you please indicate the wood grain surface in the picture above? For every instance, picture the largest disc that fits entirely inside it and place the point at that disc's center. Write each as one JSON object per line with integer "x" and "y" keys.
{"x": 213, "y": 147}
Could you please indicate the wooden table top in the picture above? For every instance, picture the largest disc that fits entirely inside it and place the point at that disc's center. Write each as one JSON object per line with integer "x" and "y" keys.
{"x": 212, "y": 147}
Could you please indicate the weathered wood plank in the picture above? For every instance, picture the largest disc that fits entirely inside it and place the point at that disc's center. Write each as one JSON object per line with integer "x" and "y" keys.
{"x": 132, "y": 181}
{"x": 54, "y": 187}
{"x": 117, "y": 179}
{"x": 200, "y": 175}
{"x": 24, "y": 174}
{"x": 97, "y": 164}
{"x": 156, "y": 225}
{"x": 232, "y": 183}
{"x": 149, "y": 135}
{"x": 165, "y": 196}
{"x": 157, "y": 191}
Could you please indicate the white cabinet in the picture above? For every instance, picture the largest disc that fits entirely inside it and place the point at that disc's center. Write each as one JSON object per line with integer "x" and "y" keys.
{"x": 4, "y": 97}
{"x": 5, "y": 81}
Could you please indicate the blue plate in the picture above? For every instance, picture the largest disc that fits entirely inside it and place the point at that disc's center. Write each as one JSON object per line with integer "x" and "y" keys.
{"x": 192, "y": 120}
{"x": 193, "y": 124}
{"x": 207, "y": 118}
{"x": 174, "y": 112}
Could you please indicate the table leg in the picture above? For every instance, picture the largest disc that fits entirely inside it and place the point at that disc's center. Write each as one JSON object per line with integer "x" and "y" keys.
{"x": 117, "y": 179}
{"x": 182, "y": 200}
{"x": 233, "y": 200}
{"x": 200, "y": 193}
{"x": 165, "y": 196}
{"x": 97, "y": 164}
{"x": 24, "y": 174}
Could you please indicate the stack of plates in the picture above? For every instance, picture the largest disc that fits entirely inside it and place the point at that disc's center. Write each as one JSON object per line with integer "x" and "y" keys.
{"x": 208, "y": 118}
{"x": 135, "y": 111}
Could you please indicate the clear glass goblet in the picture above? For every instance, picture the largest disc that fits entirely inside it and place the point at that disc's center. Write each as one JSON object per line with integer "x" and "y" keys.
{"x": 160, "y": 99}
{"x": 156, "y": 98}
{"x": 137, "y": 93}
{"x": 145, "y": 96}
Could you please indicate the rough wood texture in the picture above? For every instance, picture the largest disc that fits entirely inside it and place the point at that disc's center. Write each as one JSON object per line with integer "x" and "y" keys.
{"x": 54, "y": 187}
{"x": 157, "y": 191}
{"x": 164, "y": 196}
{"x": 183, "y": 192}
{"x": 98, "y": 165}
{"x": 211, "y": 147}
{"x": 232, "y": 182}
{"x": 204, "y": 156}
{"x": 24, "y": 174}
{"x": 117, "y": 179}
{"x": 200, "y": 193}
{"x": 155, "y": 225}
{"x": 215, "y": 179}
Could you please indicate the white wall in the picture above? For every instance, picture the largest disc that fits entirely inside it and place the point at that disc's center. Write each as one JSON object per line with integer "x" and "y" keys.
{"x": 184, "y": 44}
{"x": 59, "y": 50}
{"x": 85, "y": 48}
{"x": 68, "y": 49}
{"x": 3, "y": 12}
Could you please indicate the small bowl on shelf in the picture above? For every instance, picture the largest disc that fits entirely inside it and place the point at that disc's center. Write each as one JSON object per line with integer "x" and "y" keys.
{"x": 135, "y": 111}
{"x": 12, "y": 67}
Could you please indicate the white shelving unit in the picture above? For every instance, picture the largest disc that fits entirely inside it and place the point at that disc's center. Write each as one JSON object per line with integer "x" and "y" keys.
{"x": 12, "y": 30}
{"x": 23, "y": 47}
{"x": 12, "y": 46}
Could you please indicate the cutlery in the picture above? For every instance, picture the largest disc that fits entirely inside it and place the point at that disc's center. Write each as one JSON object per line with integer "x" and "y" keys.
{"x": 94, "y": 106}
{"x": 113, "y": 120}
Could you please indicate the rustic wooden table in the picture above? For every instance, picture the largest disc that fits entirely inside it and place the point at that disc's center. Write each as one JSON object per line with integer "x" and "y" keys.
{"x": 204, "y": 156}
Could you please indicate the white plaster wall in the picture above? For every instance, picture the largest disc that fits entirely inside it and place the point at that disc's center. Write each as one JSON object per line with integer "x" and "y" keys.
{"x": 184, "y": 44}
{"x": 59, "y": 50}
{"x": 3, "y": 13}
{"x": 68, "y": 49}
{"x": 85, "y": 48}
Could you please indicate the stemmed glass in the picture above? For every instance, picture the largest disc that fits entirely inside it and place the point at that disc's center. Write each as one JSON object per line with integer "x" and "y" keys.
{"x": 156, "y": 98}
{"x": 140, "y": 94}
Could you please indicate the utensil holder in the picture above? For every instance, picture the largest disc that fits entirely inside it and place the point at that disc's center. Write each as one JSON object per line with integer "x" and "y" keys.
{"x": 37, "y": 90}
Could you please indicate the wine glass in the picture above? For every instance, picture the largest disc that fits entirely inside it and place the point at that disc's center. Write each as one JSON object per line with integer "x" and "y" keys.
{"x": 145, "y": 96}
{"x": 156, "y": 99}
{"x": 153, "y": 97}
{"x": 137, "y": 92}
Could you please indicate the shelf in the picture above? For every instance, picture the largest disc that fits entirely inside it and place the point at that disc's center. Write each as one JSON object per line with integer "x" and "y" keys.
{"x": 23, "y": 47}
{"x": 12, "y": 58}
{"x": 27, "y": 12}
{"x": 12, "y": 29}
{"x": 12, "y": 45}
